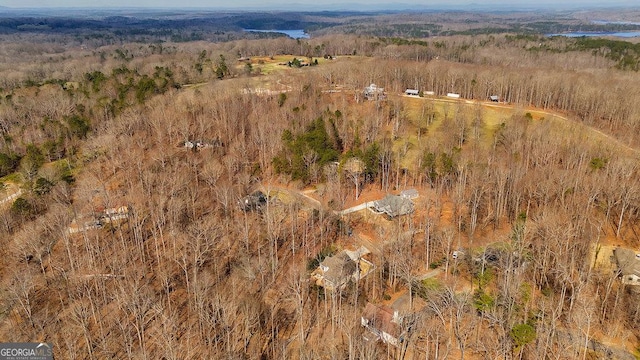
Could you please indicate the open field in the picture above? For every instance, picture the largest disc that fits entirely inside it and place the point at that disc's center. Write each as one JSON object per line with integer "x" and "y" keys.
{"x": 266, "y": 65}
{"x": 428, "y": 114}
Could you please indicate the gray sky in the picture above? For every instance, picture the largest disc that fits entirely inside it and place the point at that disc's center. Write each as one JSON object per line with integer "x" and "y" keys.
{"x": 316, "y": 3}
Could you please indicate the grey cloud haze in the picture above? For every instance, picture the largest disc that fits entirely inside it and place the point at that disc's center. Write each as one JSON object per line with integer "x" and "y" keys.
{"x": 317, "y": 4}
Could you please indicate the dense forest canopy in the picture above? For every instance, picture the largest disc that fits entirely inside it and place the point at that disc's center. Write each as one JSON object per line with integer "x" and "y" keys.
{"x": 183, "y": 193}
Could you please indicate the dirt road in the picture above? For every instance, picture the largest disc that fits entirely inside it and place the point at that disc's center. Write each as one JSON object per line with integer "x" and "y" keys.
{"x": 7, "y": 197}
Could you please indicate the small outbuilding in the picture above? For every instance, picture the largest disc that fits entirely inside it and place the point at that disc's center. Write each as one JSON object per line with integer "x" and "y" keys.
{"x": 494, "y": 98}
{"x": 453, "y": 95}
{"x": 412, "y": 92}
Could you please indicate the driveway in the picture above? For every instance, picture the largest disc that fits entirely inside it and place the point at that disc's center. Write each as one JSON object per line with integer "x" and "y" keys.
{"x": 12, "y": 192}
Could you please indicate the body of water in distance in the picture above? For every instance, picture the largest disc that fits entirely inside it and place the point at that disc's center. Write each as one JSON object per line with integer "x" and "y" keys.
{"x": 295, "y": 34}
{"x": 621, "y": 34}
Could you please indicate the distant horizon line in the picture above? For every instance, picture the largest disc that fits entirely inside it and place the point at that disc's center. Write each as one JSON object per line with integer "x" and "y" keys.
{"x": 348, "y": 6}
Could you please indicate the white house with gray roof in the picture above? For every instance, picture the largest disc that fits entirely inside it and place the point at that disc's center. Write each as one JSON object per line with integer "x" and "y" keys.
{"x": 628, "y": 262}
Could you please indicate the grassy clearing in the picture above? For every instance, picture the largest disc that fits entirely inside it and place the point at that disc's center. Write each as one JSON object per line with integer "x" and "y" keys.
{"x": 409, "y": 150}
{"x": 269, "y": 64}
{"x": 282, "y": 196}
{"x": 424, "y": 114}
{"x": 14, "y": 178}
{"x": 430, "y": 113}
{"x": 194, "y": 86}
{"x": 494, "y": 117}
{"x": 57, "y": 164}
{"x": 492, "y": 120}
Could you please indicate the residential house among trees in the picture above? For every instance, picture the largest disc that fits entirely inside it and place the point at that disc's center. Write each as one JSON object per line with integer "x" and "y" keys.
{"x": 115, "y": 213}
{"x": 393, "y": 205}
{"x": 200, "y": 144}
{"x": 383, "y": 322}
{"x": 253, "y": 201}
{"x": 373, "y": 92}
{"x": 628, "y": 262}
{"x": 335, "y": 272}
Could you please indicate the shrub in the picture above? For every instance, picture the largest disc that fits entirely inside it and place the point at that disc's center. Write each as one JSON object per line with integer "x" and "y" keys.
{"x": 42, "y": 186}
{"x": 597, "y": 163}
{"x": 78, "y": 126}
{"x": 8, "y": 163}
{"x": 483, "y": 301}
{"x": 22, "y": 208}
{"x": 425, "y": 287}
{"x": 522, "y": 334}
{"x": 32, "y": 161}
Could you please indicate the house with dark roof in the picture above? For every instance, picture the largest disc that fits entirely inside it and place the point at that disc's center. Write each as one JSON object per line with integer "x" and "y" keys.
{"x": 393, "y": 205}
{"x": 254, "y": 201}
{"x": 628, "y": 262}
{"x": 335, "y": 272}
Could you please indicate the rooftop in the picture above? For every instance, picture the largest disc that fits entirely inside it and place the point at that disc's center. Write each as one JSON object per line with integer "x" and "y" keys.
{"x": 409, "y": 193}
{"x": 628, "y": 261}
{"x": 336, "y": 271}
{"x": 383, "y": 318}
{"x": 338, "y": 267}
{"x": 394, "y": 205}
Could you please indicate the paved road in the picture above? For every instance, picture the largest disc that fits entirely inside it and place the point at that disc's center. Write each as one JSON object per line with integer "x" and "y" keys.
{"x": 353, "y": 209}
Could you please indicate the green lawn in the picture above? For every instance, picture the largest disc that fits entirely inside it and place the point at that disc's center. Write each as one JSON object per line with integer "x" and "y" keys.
{"x": 430, "y": 113}
{"x": 426, "y": 121}
{"x": 14, "y": 178}
{"x": 267, "y": 65}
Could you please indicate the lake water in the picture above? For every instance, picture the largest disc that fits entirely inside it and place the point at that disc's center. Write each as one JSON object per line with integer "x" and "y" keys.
{"x": 296, "y": 34}
{"x": 606, "y": 22}
{"x": 621, "y": 34}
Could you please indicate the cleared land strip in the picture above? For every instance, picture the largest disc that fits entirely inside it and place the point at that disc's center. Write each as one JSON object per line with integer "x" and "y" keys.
{"x": 556, "y": 116}
{"x": 9, "y": 199}
{"x": 552, "y": 115}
